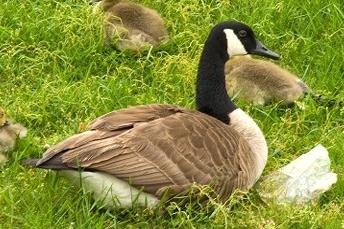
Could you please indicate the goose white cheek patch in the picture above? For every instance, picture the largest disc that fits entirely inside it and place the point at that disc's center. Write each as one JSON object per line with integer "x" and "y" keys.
{"x": 234, "y": 45}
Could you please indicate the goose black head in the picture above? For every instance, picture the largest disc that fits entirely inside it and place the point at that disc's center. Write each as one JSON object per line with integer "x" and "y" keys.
{"x": 225, "y": 40}
{"x": 241, "y": 40}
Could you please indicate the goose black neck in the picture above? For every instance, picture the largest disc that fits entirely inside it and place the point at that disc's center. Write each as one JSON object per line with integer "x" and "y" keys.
{"x": 211, "y": 93}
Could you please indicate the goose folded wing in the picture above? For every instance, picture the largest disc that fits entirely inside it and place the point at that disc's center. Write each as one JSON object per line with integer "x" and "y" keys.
{"x": 110, "y": 125}
{"x": 126, "y": 118}
{"x": 175, "y": 151}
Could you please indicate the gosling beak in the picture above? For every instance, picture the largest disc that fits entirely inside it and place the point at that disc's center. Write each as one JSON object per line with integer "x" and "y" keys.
{"x": 91, "y": 2}
{"x": 4, "y": 123}
{"x": 261, "y": 50}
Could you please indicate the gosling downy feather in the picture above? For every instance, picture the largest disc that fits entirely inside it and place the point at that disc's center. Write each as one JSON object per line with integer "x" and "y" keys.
{"x": 260, "y": 81}
{"x": 9, "y": 133}
{"x": 132, "y": 26}
{"x": 141, "y": 152}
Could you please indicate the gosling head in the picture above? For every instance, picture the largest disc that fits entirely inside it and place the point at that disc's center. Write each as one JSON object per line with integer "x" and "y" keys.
{"x": 2, "y": 117}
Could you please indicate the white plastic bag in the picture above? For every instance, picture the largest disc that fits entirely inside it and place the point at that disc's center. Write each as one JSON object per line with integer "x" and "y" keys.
{"x": 302, "y": 180}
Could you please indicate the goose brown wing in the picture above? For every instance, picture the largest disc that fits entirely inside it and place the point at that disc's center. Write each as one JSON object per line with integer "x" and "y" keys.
{"x": 177, "y": 150}
{"x": 126, "y": 118}
{"x": 111, "y": 125}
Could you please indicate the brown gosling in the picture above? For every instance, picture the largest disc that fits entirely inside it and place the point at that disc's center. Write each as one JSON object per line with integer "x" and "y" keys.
{"x": 261, "y": 81}
{"x": 132, "y": 26}
{"x": 9, "y": 133}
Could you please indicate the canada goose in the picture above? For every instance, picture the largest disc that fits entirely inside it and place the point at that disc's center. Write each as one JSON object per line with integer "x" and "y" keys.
{"x": 9, "y": 132}
{"x": 260, "y": 81}
{"x": 151, "y": 149}
{"x": 132, "y": 26}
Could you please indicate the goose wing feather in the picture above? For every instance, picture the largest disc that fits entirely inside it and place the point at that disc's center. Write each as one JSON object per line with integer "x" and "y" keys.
{"x": 158, "y": 147}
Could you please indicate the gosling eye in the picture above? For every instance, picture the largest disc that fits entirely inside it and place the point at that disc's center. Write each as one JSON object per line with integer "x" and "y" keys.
{"x": 242, "y": 33}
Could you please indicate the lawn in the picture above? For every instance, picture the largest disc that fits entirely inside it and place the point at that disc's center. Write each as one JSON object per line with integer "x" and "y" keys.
{"x": 57, "y": 75}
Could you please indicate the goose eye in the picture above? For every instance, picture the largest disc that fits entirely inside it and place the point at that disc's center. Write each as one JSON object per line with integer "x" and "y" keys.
{"x": 242, "y": 33}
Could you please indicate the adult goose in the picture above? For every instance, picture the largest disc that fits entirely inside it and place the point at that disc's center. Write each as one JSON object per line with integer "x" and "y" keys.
{"x": 151, "y": 149}
{"x": 132, "y": 26}
{"x": 261, "y": 82}
{"x": 9, "y": 133}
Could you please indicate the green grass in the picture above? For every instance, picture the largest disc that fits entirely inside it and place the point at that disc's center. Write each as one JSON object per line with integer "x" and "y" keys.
{"x": 56, "y": 74}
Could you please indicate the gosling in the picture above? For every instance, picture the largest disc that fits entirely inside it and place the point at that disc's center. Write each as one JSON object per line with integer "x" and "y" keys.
{"x": 261, "y": 82}
{"x": 132, "y": 26}
{"x": 9, "y": 133}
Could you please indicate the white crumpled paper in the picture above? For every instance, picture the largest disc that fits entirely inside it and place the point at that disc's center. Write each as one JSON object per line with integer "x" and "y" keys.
{"x": 301, "y": 181}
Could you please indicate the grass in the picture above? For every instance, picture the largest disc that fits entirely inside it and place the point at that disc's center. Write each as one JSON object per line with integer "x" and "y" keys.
{"x": 56, "y": 74}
